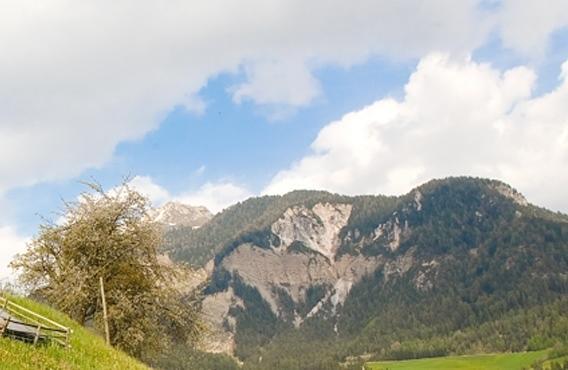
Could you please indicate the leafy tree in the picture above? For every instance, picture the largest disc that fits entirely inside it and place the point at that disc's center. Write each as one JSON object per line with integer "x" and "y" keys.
{"x": 109, "y": 235}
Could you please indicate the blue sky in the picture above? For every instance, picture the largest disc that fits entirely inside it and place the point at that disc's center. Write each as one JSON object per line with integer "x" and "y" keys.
{"x": 214, "y": 103}
{"x": 240, "y": 143}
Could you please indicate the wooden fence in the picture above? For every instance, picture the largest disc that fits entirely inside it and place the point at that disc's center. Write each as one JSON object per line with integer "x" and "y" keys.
{"x": 21, "y": 323}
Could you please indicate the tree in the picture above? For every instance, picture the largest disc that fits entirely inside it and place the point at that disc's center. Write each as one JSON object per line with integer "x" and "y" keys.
{"x": 109, "y": 235}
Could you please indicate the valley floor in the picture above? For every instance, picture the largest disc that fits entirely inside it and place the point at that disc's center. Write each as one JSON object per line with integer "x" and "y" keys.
{"x": 505, "y": 361}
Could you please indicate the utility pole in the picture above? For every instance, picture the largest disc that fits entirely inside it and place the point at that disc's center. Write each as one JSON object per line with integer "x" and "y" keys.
{"x": 107, "y": 334}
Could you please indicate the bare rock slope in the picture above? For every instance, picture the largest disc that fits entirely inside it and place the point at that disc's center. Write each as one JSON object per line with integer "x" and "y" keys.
{"x": 174, "y": 214}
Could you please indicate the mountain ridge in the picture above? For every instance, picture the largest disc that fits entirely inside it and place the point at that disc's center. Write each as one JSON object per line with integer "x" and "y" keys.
{"x": 177, "y": 214}
{"x": 463, "y": 250}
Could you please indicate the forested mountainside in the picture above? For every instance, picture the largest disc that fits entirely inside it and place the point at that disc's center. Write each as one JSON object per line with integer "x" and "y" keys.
{"x": 249, "y": 218}
{"x": 458, "y": 265}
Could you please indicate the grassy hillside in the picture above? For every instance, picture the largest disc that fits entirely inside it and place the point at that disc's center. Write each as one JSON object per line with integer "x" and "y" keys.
{"x": 88, "y": 350}
{"x": 504, "y": 361}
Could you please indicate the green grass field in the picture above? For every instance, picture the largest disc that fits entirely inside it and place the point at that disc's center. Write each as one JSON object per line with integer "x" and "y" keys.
{"x": 505, "y": 361}
{"x": 88, "y": 351}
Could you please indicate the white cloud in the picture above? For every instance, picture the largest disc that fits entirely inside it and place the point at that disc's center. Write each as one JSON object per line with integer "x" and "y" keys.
{"x": 146, "y": 186}
{"x": 296, "y": 87}
{"x": 216, "y": 196}
{"x": 194, "y": 103}
{"x": 80, "y": 77}
{"x": 11, "y": 244}
{"x": 457, "y": 117}
{"x": 527, "y": 24}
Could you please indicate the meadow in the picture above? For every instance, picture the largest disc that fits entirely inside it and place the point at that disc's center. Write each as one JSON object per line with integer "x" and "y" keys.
{"x": 502, "y": 361}
{"x": 87, "y": 349}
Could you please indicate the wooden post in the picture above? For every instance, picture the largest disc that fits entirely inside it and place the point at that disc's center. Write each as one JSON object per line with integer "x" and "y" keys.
{"x": 5, "y": 327}
{"x": 38, "y": 332}
{"x": 107, "y": 334}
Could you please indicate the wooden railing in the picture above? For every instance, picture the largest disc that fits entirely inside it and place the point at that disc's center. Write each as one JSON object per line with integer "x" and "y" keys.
{"x": 22, "y": 323}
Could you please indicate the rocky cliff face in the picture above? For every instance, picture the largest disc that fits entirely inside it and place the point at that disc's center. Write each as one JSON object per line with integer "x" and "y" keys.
{"x": 174, "y": 214}
{"x": 220, "y": 336}
{"x": 305, "y": 256}
{"x": 317, "y": 228}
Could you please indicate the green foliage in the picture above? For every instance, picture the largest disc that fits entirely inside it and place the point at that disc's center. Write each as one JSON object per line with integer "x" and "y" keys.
{"x": 291, "y": 351}
{"x": 285, "y": 303}
{"x": 538, "y": 342}
{"x": 319, "y": 345}
{"x": 256, "y": 323}
{"x": 181, "y": 357}
{"x": 458, "y": 215}
{"x": 512, "y": 332}
{"x": 314, "y": 294}
{"x": 219, "y": 281}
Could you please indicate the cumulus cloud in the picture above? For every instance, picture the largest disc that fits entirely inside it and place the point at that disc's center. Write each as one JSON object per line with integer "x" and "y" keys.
{"x": 297, "y": 86}
{"x": 458, "y": 117}
{"x": 525, "y": 25}
{"x": 80, "y": 77}
{"x": 146, "y": 185}
{"x": 11, "y": 243}
{"x": 216, "y": 196}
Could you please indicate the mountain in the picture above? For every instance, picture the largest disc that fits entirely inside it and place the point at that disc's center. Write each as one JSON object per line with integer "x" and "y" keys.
{"x": 174, "y": 214}
{"x": 341, "y": 278}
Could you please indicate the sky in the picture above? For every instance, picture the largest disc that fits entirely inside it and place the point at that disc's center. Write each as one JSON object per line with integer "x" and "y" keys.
{"x": 213, "y": 102}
